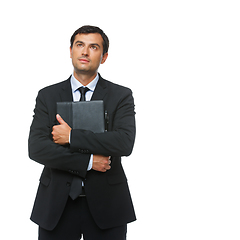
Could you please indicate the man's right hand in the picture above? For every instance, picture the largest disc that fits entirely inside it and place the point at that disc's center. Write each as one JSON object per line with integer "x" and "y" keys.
{"x": 101, "y": 163}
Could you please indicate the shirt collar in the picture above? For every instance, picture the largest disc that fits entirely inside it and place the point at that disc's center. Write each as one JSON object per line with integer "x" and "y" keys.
{"x": 75, "y": 84}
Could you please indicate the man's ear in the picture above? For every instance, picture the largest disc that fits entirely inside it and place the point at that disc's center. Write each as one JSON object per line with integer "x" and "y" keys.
{"x": 70, "y": 52}
{"x": 104, "y": 58}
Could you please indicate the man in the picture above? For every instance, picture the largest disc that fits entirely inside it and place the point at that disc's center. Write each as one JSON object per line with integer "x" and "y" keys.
{"x": 104, "y": 206}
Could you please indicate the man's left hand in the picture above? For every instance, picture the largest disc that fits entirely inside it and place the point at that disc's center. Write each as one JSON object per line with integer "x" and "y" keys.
{"x": 61, "y": 132}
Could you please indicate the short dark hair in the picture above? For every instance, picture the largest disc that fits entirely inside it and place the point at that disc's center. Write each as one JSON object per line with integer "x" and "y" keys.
{"x": 91, "y": 29}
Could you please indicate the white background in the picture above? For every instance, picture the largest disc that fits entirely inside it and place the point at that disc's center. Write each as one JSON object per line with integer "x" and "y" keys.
{"x": 181, "y": 59}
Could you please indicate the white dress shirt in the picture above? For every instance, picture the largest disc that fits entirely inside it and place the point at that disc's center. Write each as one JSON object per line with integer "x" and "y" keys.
{"x": 75, "y": 84}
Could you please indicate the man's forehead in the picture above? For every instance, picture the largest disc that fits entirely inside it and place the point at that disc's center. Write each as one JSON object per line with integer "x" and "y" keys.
{"x": 89, "y": 38}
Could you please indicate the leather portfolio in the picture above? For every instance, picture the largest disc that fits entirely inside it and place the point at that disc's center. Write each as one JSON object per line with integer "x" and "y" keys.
{"x": 87, "y": 115}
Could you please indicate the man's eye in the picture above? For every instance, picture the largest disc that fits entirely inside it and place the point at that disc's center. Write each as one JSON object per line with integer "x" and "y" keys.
{"x": 79, "y": 44}
{"x": 94, "y": 47}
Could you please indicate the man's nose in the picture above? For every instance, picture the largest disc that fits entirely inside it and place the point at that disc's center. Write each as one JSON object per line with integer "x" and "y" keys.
{"x": 85, "y": 51}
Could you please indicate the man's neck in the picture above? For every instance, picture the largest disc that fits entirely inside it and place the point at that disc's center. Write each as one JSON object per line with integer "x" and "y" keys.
{"x": 84, "y": 79}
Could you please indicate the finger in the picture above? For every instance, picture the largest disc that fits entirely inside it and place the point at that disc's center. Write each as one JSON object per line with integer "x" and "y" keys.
{"x": 53, "y": 133}
{"x": 60, "y": 120}
{"x": 103, "y": 170}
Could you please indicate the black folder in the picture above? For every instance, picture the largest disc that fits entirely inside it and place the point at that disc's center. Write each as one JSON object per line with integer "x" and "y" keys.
{"x": 87, "y": 115}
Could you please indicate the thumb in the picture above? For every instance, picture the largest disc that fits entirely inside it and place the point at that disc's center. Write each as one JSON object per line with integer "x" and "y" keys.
{"x": 60, "y": 120}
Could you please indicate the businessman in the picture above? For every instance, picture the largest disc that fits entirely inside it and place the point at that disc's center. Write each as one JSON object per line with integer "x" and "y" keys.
{"x": 83, "y": 190}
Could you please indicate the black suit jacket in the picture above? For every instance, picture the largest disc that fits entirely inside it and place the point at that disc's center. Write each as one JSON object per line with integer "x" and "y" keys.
{"x": 107, "y": 193}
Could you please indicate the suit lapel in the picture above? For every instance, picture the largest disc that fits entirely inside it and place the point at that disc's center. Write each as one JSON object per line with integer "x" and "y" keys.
{"x": 100, "y": 90}
{"x": 66, "y": 91}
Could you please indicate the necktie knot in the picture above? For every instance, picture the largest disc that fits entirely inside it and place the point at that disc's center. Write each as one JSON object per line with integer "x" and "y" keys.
{"x": 83, "y": 91}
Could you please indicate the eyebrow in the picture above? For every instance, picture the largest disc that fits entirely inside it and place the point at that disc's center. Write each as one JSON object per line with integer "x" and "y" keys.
{"x": 92, "y": 44}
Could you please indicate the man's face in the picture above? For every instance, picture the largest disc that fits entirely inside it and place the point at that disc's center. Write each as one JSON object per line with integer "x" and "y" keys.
{"x": 87, "y": 53}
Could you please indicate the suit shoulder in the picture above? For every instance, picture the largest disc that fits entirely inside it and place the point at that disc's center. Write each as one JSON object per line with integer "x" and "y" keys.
{"x": 54, "y": 87}
{"x": 117, "y": 87}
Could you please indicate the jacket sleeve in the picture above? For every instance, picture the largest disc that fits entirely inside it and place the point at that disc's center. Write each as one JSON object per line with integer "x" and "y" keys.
{"x": 43, "y": 150}
{"x": 117, "y": 142}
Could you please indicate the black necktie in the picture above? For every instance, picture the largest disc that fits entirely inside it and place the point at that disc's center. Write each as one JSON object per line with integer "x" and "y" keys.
{"x": 76, "y": 186}
{"x": 83, "y": 91}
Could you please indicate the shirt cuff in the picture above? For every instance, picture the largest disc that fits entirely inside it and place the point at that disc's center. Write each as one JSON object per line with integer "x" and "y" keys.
{"x": 70, "y": 137}
{"x": 90, "y": 163}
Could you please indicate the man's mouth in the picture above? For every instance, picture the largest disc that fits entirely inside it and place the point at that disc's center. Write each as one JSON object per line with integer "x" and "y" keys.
{"x": 84, "y": 60}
